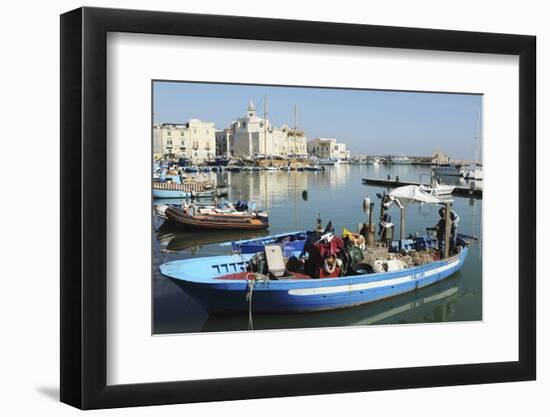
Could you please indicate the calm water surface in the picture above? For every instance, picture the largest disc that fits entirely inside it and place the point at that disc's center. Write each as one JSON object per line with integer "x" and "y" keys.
{"x": 336, "y": 194}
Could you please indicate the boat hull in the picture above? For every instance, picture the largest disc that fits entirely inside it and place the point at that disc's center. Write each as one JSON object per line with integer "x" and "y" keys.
{"x": 171, "y": 193}
{"x": 448, "y": 171}
{"x": 217, "y": 295}
{"x": 215, "y": 222}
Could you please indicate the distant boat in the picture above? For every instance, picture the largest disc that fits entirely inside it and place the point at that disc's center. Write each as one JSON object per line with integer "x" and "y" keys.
{"x": 399, "y": 160}
{"x": 452, "y": 170}
{"x": 220, "y": 161}
{"x": 438, "y": 189}
{"x": 329, "y": 161}
{"x": 213, "y": 192}
{"x": 473, "y": 173}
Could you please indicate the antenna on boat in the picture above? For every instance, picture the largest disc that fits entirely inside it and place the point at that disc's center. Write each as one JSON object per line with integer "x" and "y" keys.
{"x": 319, "y": 227}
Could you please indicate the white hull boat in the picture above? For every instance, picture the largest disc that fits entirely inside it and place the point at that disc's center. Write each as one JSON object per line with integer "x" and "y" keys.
{"x": 438, "y": 189}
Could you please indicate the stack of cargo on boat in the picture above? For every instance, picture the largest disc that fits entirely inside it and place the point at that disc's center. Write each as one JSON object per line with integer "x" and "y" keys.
{"x": 319, "y": 270}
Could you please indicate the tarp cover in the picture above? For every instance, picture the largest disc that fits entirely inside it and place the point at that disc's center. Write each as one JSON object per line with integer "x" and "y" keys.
{"x": 412, "y": 194}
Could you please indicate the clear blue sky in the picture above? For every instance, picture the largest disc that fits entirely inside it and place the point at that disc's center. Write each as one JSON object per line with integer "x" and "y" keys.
{"x": 373, "y": 122}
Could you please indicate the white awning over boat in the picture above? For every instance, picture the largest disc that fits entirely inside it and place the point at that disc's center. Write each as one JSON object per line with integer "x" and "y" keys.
{"x": 409, "y": 194}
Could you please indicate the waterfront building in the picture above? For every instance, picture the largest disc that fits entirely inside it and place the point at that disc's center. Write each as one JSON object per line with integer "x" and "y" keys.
{"x": 328, "y": 148}
{"x": 440, "y": 158}
{"x": 253, "y": 136}
{"x": 194, "y": 140}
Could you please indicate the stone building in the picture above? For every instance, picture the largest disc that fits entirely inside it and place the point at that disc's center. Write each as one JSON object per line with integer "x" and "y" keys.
{"x": 439, "y": 158}
{"x": 328, "y": 148}
{"x": 253, "y": 136}
{"x": 195, "y": 140}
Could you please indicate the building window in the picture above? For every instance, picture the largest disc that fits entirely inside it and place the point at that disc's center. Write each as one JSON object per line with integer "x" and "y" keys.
{"x": 169, "y": 133}
{"x": 194, "y": 130}
{"x": 182, "y": 133}
{"x": 169, "y": 142}
{"x": 183, "y": 142}
{"x": 207, "y": 131}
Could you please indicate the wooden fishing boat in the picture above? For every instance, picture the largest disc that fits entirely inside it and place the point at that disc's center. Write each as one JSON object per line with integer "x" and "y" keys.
{"x": 217, "y": 221}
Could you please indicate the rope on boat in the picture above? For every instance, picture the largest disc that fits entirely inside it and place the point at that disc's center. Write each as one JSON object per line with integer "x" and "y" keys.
{"x": 251, "y": 279}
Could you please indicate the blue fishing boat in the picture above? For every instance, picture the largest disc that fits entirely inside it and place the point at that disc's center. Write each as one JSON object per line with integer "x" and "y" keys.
{"x": 224, "y": 284}
{"x": 330, "y": 272}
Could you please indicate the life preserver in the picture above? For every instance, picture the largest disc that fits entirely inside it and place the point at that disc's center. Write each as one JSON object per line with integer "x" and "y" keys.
{"x": 329, "y": 269}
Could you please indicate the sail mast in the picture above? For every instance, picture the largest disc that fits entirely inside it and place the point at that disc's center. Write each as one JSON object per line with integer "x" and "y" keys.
{"x": 265, "y": 127}
{"x": 295, "y": 128}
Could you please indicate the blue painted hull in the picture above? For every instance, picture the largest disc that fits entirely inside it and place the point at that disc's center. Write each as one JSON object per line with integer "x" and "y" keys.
{"x": 199, "y": 277}
{"x": 170, "y": 194}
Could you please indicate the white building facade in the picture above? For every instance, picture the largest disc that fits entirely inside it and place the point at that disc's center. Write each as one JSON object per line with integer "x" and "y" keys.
{"x": 328, "y": 148}
{"x": 253, "y": 136}
{"x": 195, "y": 140}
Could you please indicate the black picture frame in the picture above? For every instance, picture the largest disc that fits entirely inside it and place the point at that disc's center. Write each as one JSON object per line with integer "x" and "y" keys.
{"x": 84, "y": 207}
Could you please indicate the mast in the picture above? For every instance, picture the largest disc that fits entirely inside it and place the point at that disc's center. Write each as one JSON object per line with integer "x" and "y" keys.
{"x": 265, "y": 127}
{"x": 295, "y": 127}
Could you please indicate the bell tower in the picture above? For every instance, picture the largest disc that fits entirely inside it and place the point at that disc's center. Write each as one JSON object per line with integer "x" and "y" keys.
{"x": 251, "y": 109}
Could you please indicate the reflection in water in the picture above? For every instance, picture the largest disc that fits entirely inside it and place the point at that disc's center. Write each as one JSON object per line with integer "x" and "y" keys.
{"x": 336, "y": 194}
{"x": 177, "y": 239}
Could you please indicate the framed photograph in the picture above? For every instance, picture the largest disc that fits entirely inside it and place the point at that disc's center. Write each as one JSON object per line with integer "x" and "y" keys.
{"x": 256, "y": 208}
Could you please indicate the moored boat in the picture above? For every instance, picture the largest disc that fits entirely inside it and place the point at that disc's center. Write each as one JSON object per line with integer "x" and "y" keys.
{"x": 329, "y": 161}
{"x": 193, "y": 217}
{"x": 172, "y": 186}
{"x": 438, "y": 189}
{"x": 448, "y": 170}
{"x": 221, "y": 284}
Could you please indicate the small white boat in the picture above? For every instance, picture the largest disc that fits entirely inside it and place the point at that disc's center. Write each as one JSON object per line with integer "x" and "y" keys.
{"x": 437, "y": 189}
{"x": 473, "y": 173}
{"x": 329, "y": 161}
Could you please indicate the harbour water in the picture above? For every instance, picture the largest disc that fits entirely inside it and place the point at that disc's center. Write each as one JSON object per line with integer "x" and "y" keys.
{"x": 295, "y": 200}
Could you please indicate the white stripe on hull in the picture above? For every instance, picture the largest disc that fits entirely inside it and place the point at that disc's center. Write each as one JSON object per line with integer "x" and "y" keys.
{"x": 374, "y": 284}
